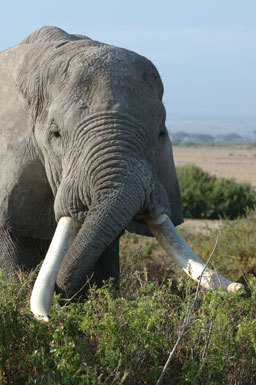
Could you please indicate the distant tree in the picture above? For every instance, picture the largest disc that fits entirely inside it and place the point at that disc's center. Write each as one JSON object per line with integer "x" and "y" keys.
{"x": 232, "y": 137}
{"x": 202, "y": 138}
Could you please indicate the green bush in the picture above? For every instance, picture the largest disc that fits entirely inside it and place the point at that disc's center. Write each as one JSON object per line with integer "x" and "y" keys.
{"x": 109, "y": 340}
{"x": 126, "y": 339}
{"x": 206, "y": 196}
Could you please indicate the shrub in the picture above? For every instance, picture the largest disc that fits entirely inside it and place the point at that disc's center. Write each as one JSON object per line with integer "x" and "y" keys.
{"x": 111, "y": 339}
{"x": 206, "y": 196}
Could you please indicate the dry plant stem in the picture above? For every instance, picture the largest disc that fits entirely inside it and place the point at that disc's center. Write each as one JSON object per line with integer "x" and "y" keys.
{"x": 186, "y": 325}
{"x": 206, "y": 350}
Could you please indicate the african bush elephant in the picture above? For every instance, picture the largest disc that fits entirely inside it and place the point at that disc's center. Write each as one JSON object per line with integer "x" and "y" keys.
{"x": 83, "y": 143}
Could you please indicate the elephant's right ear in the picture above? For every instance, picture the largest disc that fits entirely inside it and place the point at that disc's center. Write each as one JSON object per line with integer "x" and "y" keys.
{"x": 14, "y": 109}
{"x": 25, "y": 195}
{"x": 20, "y": 71}
{"x": 168, "y": 177}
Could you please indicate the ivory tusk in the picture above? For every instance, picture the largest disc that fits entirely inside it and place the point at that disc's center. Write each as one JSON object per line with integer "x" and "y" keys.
{"x": 177, "y": 248}
{"x": 42, "y": 293}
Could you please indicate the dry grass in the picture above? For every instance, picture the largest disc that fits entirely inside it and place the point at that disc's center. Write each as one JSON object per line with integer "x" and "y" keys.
{"x": 202, "y": 226}
{"x": 238, "y": 162}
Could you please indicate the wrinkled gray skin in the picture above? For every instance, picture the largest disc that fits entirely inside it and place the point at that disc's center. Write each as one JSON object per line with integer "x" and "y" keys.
{"x": 82, "y": 134}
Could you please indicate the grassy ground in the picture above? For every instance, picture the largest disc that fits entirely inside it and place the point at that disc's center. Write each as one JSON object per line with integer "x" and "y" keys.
{"x": 126, "y": 338}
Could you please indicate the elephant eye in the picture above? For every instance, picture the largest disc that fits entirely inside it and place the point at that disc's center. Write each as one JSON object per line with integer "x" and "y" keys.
{"x": 162, "y": 134}
{"x": 54, "y": 130}
{"x": 162, "y": 130}
{"x": 56, "y": 134}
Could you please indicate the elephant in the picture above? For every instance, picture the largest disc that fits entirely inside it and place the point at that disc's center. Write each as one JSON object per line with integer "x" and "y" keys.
{"x": 85, "y": 154}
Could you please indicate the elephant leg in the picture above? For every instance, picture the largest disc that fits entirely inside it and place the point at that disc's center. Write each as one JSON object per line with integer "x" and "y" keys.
{"x": 108, "y": 266}
{"x": 18, "y": 253}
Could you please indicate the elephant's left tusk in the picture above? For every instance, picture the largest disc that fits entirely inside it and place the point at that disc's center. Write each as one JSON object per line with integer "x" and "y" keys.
{"x": 176, "y": 247}
{"x": 40, "y": 300}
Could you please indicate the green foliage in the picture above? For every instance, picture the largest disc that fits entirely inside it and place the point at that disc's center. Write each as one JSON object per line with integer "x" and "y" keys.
{"x": 126, "y": 339}
{"x": 109, "y": 340}
{"x": 206, "y": 196}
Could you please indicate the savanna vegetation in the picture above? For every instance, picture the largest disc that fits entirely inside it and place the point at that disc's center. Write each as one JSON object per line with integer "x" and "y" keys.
{"x": 206, "y": 196}
{"x": 126, "y": 338}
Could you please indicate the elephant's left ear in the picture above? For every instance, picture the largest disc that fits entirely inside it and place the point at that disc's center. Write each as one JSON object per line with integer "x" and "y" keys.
{"x": 168, "y": 177}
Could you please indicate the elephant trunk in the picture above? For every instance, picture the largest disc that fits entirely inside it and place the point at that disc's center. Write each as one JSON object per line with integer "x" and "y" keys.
{"x": 108, "y": 216}
{"x": 73, "y": 252}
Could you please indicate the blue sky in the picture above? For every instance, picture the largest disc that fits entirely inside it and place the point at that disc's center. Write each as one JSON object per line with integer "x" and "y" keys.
{"x": 205, "y": 50}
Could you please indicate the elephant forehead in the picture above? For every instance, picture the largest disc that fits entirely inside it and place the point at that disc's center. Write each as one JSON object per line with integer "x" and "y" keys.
{"x": 99, "y": 75}
{"x": 112, "y": 62}
{"x": 115, "y": 76}
{"x": 103, "y": 76}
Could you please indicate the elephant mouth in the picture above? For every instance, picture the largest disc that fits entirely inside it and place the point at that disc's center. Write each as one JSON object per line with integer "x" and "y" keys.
{"x": 163, "y": 230}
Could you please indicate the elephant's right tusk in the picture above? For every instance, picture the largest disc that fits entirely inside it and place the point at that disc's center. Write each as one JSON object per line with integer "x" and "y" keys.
{"x": 176, "y": 247}
{"x": 40, "y": 300}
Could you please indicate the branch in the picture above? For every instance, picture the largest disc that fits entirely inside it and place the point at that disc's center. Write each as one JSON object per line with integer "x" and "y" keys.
{"x": 186, "y": 325}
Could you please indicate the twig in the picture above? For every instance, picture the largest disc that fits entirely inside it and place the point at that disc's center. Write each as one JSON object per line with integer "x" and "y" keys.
{"x": 206, "y": 346}
{"x": 68, "y": 300}
{"x": 186, "y": 325}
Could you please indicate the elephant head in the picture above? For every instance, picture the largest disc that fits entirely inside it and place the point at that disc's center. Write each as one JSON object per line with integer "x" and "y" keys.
{"x": 86, "y": 132}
